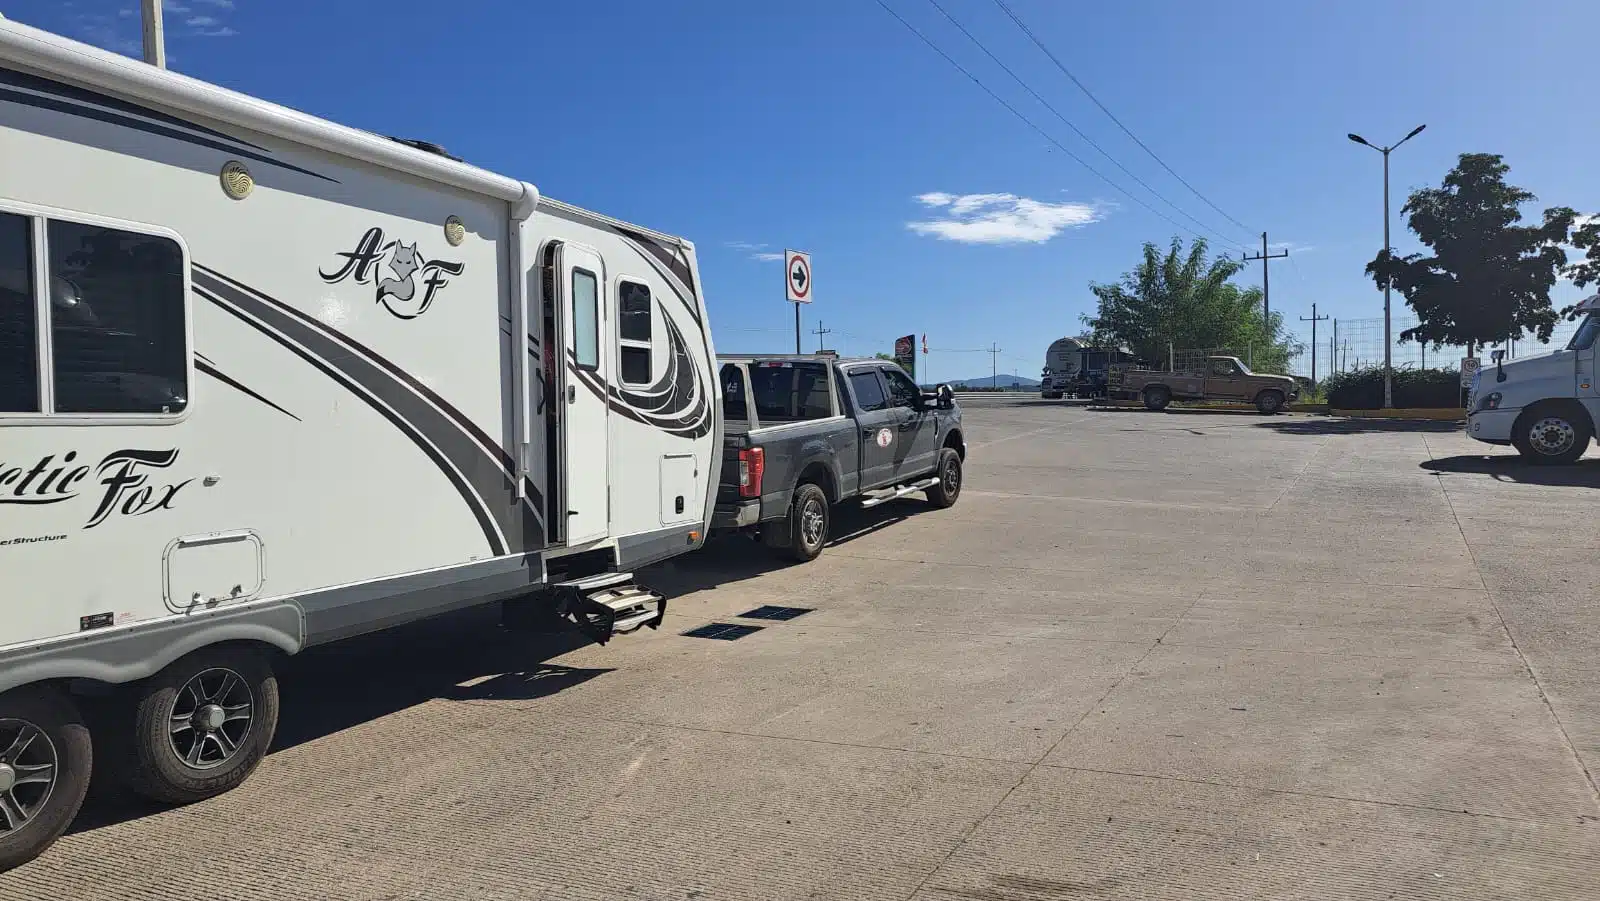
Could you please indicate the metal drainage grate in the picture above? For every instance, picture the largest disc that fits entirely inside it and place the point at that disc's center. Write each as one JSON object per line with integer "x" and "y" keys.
{"x": 722, "y": 631}
{"x": 768, "y": 611}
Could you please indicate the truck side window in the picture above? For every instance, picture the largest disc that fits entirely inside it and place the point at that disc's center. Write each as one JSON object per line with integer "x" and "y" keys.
{"x": 868, "y": 390}
{"x": 790, "y": 392}
{"x": 118, "y": 331}
{"x": 902, "y": 392}
{"x": 1222, "y": 369}
{"x": 735, "y": 407}
{"x": 19, "y": 334}
{"x": 633, "y": 332}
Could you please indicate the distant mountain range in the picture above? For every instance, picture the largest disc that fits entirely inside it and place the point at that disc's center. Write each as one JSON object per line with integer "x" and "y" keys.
{"x": 1003, "y": 380}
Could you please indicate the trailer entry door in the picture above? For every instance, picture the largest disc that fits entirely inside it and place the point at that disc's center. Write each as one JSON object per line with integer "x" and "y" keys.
{"x": 585, "y": 467}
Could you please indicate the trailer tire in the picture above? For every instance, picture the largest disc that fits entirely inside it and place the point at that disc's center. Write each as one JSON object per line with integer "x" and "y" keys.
{"x": 948, "y": 472}
{"x": 1552, "y": 434}
{"x": 1157, "y": 397}
{"x": 804, "y": 533}
{"x": 229, "y": 698}
{"x": 55, "y": 737}
{"x": 1269, "y": 401}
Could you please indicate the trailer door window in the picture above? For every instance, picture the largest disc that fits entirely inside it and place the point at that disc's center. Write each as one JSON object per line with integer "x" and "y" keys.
{"x": 586, "y": 319}
{"x": 19, "y": 332}
{"x": 633, "y": 332}
{"x": 117, "y": 326}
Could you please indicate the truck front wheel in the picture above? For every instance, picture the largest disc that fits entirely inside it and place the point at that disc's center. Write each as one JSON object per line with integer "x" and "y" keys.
{"x": 201, "y": 725}
{"x": 802, "y": 536}
{"x": 944, "y": 493}
{"x": 1269, "y": 402}
{"x": 1157, "y": 397}
{"x": 1552, "y": 434}
{"x": 45, "y": 759}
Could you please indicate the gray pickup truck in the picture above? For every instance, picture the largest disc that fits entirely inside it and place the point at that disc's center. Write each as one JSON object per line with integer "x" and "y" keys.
{"x": 802, "y": 433}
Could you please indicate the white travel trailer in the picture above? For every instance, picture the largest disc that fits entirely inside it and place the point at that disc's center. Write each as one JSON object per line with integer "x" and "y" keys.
{"x": 267, "y": 382}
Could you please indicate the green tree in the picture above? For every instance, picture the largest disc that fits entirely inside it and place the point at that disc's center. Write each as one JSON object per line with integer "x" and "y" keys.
{"x": 1182, "y": 300}
{"x": 1586, "y": 237}
{"x": 1487, "y": 278}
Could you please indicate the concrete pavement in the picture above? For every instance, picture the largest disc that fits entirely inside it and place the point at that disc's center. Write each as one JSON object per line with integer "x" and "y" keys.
{"x": 1167, "y": 656}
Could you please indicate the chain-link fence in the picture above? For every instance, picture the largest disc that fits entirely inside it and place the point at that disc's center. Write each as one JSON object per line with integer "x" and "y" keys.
{"x": 1346, "y": 344}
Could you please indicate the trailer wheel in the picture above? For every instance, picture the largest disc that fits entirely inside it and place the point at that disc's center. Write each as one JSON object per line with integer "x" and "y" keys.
{"x": 1553, "y": 434}
{"x": 948, "y": 473}
{"x": 45, "y": 760}
{"x": 802, "y": 536}
{"x": 201, "y": 725}
{"x": 1269, "y": 401}
{"x": 1157, "y": 397}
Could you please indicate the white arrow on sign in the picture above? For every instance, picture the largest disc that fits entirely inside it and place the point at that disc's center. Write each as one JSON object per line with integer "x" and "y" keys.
{"x": 797, "y": 276}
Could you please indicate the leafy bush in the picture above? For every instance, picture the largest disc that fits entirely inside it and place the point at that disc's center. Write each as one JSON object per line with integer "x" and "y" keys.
{"x": 1362, "y": 389}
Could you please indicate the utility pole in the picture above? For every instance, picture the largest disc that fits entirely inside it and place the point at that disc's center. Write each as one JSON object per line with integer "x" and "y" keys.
{"x": 819, "y": 331}
{"x": 1313, "y": 320}
{"x": 1266, "y": 295}
{"x": 155, "y": 42}
{"x": 1333, "y": 349}
{"x": 994, "y": 365}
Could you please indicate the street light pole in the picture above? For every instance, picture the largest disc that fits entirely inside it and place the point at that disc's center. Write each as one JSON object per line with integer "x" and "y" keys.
{"x": 1388, "y": 281}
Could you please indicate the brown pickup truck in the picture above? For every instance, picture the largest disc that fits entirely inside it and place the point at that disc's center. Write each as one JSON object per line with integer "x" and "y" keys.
{"x": 1217, "y": 378}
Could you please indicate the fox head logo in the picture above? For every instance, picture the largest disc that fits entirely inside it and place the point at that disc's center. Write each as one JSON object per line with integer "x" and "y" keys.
{"x": 398, "y": 294}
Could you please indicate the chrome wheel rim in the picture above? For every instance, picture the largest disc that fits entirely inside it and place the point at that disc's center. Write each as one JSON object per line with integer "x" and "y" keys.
{"x": 952, "y": 477}
{"x": 28, "y": 768}
{"x": 211, "y": 718}
{"x": 811, "y": 523}
{"x": 1552, "y": 436}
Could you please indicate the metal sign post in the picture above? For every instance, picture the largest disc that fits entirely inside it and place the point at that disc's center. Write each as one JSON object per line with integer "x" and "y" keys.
{"x": 797, "y": 285}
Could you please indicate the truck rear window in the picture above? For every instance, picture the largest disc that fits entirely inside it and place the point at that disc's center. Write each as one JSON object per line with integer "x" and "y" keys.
{"x": 790, "y": 392}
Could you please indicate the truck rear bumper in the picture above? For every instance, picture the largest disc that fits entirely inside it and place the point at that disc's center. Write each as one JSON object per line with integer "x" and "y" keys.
{"x": 727, "y": 517}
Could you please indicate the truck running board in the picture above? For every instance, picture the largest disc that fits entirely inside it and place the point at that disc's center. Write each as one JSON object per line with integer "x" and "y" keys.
{"x": 610, "y": 604}
{"x": 902, "y": 491}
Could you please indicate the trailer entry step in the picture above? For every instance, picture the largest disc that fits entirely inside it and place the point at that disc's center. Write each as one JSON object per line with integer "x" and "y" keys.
{"x": 723, "y": 631}
{"x": 769, "y": 611}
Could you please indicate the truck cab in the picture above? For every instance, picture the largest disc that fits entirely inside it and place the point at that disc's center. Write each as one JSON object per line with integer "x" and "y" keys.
{"x": 1544, "y": 406}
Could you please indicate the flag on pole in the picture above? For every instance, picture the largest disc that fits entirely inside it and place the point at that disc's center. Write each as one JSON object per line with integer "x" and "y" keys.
{"x": 924, "y": 342}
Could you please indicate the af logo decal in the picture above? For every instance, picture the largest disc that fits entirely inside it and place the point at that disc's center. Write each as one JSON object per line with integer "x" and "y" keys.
{"x": 398, "y": 291}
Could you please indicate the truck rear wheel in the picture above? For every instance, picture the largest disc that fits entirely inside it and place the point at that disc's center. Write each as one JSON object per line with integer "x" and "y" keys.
{"x": 802, "y": 536}
{"x": 1269, "y": 401}
{"x": 948, "y": 473}
{"x": 201, "y": 725}
{"x": 1553, "y": 434}
{"x": 45, "y": 760}
{"x": 1157, "y": 397}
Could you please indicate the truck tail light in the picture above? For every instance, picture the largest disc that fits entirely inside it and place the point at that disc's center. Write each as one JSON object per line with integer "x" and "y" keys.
{"x": 752, "y": 466}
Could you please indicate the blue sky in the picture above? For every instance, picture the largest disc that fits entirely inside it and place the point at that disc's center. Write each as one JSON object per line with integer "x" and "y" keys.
{"x": 750, "y": 126}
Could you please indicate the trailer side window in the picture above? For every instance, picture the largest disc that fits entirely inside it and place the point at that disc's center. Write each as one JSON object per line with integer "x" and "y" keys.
{"x": 633, "y": 332}
{"x": 19, "y": 333}
{"x": 585, "y": 319}
{"x": 118, "y": 337}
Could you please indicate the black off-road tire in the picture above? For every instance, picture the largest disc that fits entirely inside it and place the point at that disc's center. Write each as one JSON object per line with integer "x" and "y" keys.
{"x": 801, "y": 536}
{"x": 949, "y": 474}
{"x": 150, "y": 764}
{"x": 1552, "y": 434}
{"x": 1157, "y": 397}
{"x": 51, "y": 716}
{"x": 1269, "y": 402}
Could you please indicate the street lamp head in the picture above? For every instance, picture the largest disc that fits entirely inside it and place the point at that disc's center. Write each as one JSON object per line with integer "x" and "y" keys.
{"x": 1358, "y": 139}
{"x": 1414, "y": 132}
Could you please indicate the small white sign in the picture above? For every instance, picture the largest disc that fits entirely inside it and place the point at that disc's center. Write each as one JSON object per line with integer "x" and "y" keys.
{"x": 1469, "y": 368}
{"x": 797, "y": 276}
{"x": 885, "y": 437}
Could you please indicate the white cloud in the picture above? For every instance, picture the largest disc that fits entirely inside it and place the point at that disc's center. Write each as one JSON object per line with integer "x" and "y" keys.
{"x": 224, "y": 4}
{"x": 203, "y": 21}
{"x": 757, "y": 252}
{"x": 174, "y": 6}
{"x": 223, "y": 32}
{"x": 1000, "y": 218}
{"x": 1293, "y": 247}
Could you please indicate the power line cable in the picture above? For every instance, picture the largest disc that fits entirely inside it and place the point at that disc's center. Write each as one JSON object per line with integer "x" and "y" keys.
{"x": 1076, "y": 130}
{"x": 1125, "y": 130}
{"x": 1030, "y": 123}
